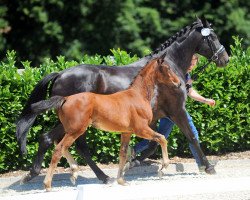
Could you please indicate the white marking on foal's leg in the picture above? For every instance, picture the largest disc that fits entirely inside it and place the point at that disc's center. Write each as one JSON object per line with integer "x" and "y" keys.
{"x": 73, "y": 165}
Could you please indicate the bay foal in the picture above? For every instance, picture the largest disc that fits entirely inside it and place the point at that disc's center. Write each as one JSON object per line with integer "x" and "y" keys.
{"x": 127, "y": 112}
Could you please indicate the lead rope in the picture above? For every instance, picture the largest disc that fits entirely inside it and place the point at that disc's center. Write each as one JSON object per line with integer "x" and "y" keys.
{"x": 195, "y": 76}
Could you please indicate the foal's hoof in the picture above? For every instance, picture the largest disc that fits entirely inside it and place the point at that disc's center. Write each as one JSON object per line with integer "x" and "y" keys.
{"x": 164, "y": 165}
{"x": 160, "y": 174}
{"x": 210, "y": 170}
{"x": 121, "y": 181}
{"x": 73, "y": 180}
{"x": 47, "y": 187}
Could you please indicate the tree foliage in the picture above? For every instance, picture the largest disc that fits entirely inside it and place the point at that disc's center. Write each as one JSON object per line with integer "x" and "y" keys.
{"x": 36, "y": 29}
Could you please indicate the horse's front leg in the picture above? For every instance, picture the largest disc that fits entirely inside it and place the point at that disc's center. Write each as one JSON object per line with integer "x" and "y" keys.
{"x": 125, "y": 138}
{"x": 181, "y": 120}
{"x": 83, "y": 150}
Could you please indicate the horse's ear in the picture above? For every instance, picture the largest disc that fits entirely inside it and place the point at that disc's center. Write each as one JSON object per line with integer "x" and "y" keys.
{"x": 204, "y": 21}
{"x": 197, "y": 18}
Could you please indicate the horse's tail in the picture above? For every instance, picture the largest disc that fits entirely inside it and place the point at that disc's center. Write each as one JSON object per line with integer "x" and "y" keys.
{"x": 44, "y": 105}
{"x": 27, "y": 118}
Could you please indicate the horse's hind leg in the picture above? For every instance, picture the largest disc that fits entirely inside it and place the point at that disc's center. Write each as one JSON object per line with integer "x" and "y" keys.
{"x": 125, "y": 138}
{"x": 83, "y": 150}
{"x": 45, "y": 142}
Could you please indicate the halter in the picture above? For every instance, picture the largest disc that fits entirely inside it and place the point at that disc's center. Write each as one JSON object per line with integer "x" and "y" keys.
{"x": 206, "y": 32}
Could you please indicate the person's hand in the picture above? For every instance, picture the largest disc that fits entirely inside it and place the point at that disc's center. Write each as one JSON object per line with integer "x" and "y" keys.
{"x": 210, "y": 102}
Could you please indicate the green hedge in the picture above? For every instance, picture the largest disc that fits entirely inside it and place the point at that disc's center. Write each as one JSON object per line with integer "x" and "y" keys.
{"x": 223, "y": 128}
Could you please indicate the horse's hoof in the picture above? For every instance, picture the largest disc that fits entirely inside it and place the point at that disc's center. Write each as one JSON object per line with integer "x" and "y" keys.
{"x": 25, "y": 178}
{"x": 108, "y": 180}
{"x": 210, "y": 170}
{"x": 160, "y": 174}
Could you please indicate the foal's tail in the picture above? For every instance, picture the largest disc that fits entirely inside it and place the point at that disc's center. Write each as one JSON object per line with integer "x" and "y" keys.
{"x": 27, "y": 118}
{"x": 44, "y": 105}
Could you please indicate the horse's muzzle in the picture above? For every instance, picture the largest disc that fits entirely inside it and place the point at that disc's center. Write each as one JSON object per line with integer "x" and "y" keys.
{"x": 222, "y": 60}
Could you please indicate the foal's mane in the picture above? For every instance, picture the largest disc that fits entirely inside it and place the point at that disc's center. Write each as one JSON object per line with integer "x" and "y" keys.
{"x": 150, "y": 64}
{"x": 176, "y": 36}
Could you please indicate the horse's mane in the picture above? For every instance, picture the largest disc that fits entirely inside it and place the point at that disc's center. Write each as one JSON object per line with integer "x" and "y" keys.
{"x": 167, "y": 43}
{"x": 176, "y": 36}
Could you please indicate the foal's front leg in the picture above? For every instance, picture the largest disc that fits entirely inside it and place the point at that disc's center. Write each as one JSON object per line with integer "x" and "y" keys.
{"x": 125, "y": 138}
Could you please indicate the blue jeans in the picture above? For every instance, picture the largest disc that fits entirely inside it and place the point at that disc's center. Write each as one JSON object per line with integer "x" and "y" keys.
{"x": 165, "y": 127}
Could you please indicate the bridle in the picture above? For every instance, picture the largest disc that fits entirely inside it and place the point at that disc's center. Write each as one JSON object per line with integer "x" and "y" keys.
{"x": 206, "y": 33}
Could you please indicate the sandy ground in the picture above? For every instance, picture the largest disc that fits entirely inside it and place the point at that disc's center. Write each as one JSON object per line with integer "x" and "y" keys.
{"x": 228, "y": 156}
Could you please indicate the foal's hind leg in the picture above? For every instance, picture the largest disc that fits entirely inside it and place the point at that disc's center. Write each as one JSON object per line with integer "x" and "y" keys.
{"x": 125, "y": 138}
{"x": 83, "y": 150}
{"x": 62, "y": 147}
{"x": 149, "y": 134}
{"x": 73, "y": 165}
{"x": 45, "y": 142}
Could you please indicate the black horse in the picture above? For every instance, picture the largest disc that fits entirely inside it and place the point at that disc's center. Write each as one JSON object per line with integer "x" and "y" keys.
{"x": 199, "y": 38}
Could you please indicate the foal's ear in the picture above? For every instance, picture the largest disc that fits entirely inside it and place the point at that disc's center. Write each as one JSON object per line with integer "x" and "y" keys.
{"x": 160, "y": 60}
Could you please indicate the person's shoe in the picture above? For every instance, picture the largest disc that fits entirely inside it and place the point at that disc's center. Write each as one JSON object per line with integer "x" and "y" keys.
{"x": 135, "y": 163}
{"x": 179, "y": 167}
